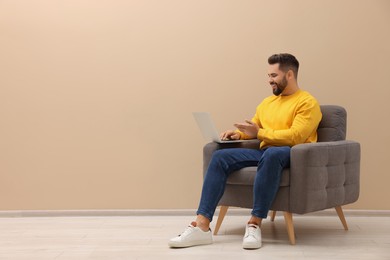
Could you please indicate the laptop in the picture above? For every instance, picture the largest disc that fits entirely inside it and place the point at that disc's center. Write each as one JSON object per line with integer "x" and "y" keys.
{"x": 207, "y": 127}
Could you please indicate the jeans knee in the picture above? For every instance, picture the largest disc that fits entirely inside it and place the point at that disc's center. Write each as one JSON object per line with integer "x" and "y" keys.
{"x": 217, "y": 156}
{"x": 218, "y": 159}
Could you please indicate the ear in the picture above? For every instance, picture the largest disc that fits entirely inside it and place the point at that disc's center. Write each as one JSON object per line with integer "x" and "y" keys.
{"x": 290, "y": 75}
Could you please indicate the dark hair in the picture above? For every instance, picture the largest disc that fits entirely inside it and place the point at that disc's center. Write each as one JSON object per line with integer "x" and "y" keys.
{"x": 286, "y": 62}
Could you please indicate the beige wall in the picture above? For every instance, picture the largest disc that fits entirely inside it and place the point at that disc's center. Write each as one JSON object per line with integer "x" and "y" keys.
{"x": 96, "y": 96}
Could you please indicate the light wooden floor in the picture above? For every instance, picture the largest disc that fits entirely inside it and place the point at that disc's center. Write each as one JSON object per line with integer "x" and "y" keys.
{"x": 137, "y": 237}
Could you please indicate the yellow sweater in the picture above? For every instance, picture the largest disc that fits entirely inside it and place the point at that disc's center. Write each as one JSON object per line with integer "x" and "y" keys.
{"x": 287, "y": 120}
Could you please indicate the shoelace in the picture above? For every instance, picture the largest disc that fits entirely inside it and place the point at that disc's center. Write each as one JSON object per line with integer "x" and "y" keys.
{"x": 252, "y": 230}
{"x": 187, "y": 230}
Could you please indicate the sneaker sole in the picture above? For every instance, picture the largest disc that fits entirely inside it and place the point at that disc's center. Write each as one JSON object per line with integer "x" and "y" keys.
{"x": 251, "y": 246}
{"x": 193, "y": 243}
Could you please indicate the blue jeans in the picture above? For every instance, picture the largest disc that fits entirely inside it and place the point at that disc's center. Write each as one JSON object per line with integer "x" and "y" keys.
{"x": 270, "y": 163}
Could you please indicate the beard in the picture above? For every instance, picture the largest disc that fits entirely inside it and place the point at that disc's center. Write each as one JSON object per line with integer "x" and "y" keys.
{"x": 279, "y": 86}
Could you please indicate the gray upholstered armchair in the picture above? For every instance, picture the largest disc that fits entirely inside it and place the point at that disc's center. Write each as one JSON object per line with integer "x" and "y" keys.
{"x": 322, "y": 175}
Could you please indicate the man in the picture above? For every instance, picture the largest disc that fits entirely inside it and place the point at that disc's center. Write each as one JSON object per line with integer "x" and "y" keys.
{"x": 289, "y": 117}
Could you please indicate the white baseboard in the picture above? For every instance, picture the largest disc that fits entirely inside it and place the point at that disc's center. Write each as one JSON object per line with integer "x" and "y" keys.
{"x": 170, "y": 212}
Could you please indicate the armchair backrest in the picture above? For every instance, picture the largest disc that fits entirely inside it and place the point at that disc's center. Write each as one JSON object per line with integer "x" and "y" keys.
{"x": 333, "y": 126}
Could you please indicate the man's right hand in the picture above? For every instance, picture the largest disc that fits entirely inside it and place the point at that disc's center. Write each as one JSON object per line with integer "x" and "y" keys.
{"x": 230, "y": 135}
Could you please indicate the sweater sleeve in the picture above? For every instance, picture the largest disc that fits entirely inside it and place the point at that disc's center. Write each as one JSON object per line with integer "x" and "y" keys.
{"x": 305, "y": 122}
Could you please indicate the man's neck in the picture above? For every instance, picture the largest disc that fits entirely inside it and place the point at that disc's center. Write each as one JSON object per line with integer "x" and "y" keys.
{"x": 290, "y": 89}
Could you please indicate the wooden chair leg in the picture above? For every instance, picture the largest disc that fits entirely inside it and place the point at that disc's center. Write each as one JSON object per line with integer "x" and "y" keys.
{"x": 221, "y": 216}
{"x": 273, "y": 215}
{"x": 290, "y": 227}
{"x": 339, "y": 211}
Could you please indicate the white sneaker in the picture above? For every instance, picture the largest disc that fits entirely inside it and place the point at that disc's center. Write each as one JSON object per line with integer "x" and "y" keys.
{"x": 252, "y": 238}
{"x": 192, "y": 236}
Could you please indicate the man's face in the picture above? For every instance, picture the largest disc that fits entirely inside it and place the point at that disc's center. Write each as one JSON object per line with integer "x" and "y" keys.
{"x": 277, "y": 79}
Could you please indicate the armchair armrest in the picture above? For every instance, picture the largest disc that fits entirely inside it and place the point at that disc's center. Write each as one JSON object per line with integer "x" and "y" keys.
{"x": 324, "y": 175}
{"x": 211, "y": 147}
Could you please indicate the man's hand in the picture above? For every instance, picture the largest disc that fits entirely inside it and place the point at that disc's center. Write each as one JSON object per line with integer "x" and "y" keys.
{"x": 249, "y": 128}
{"x": 230, "y": 135}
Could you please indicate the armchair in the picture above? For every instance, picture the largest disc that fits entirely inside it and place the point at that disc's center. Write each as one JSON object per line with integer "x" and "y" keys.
{"x": 322, "y": 175}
